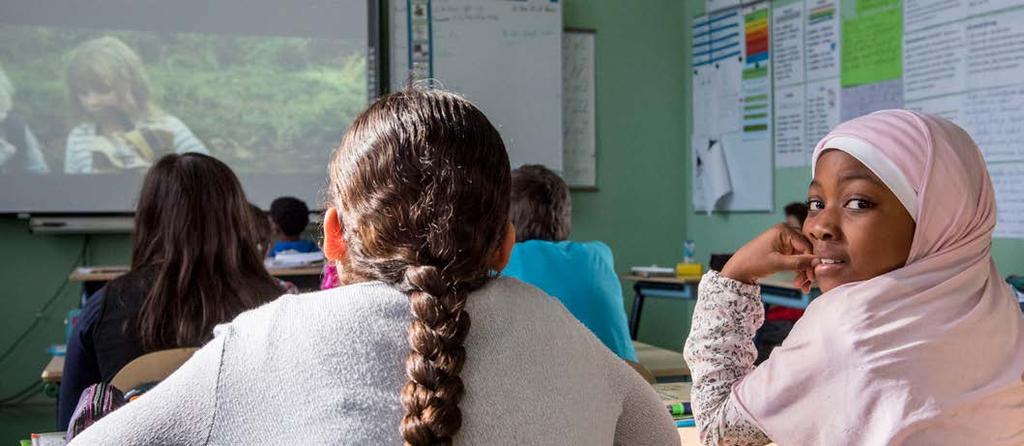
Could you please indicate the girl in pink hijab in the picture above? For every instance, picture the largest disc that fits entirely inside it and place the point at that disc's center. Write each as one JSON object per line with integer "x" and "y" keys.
{"x": 915, "y": 340}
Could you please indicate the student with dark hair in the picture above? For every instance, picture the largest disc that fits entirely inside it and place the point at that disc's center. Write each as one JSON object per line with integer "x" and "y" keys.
{"x": 580, "y": 274}
{"x": 290, "y": 217}
{"x": 192, "y": 268}
{"x": 424, "y": 344}
{"x": 796, "y": 213}
{"x": 916, "y": 339}
{"x": 264, "y": 230}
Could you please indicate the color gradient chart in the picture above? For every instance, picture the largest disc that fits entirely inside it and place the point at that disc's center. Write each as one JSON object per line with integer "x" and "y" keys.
{"x": 756, "y": 76}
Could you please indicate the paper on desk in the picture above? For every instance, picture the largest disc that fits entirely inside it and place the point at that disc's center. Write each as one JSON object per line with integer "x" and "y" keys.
{"x": 712, "y": 171}
{"x": 291, "y": 259}
{"x": 673, "y": 393}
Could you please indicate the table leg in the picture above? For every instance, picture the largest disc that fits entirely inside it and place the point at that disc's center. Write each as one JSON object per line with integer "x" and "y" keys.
{"x": 634, "y": 317}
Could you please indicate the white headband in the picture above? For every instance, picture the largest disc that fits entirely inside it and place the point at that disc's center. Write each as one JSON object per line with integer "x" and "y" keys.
{"x": 881, "y": 166}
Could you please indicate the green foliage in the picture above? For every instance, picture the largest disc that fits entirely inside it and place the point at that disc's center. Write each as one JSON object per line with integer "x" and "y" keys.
{"x": 261, "y": 104}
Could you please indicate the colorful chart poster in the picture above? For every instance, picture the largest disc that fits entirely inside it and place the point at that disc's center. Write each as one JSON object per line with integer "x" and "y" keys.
{"x": 871, "y": 71}
{"x": 731, "y": 143}
{"x": 872, "y": 37}
{"x": 757, "y": 86}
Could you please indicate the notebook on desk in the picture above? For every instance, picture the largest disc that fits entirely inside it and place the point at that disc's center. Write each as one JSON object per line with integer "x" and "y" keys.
{"x": 292, "y": 259}
{"x": 101, "y": 269}
{"x": 653, "y": 271}
{"x": 673, "y": 393}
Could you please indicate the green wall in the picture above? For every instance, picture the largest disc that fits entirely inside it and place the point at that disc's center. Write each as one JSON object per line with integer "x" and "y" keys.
{"x": 639, "y": 208}
{"x": 34, "y": 269}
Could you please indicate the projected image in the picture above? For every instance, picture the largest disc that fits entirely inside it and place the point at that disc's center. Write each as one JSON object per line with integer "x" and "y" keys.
{"x": 79, "y": 101}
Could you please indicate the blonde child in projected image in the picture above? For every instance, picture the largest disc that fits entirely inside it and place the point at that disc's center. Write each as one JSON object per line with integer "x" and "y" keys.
{"x": 120, "y": 128}
{"x": 19, "y": 149}
{"x": 916, "y": 339}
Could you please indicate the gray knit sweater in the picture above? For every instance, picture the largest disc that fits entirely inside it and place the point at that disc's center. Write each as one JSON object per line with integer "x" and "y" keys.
{"x": 328, "y": 367}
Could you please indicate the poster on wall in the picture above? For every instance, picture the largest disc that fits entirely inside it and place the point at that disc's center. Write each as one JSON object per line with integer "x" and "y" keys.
{"x": 834, "y": 60}
{"x": 732, "y": 120}
{"x": 805, "y": 39}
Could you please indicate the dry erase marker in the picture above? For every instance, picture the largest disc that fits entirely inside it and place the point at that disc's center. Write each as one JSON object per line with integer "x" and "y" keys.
{"x": 686, "y": 423}
{"x": 680, "y": 409}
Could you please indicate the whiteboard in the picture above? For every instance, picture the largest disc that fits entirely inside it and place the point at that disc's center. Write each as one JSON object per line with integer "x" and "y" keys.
{"x": 504, "y": 56}
{"x": 579, "y": 129}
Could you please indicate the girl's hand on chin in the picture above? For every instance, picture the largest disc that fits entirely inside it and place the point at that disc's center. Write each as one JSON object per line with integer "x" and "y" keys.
{"x": 780, "y": 248}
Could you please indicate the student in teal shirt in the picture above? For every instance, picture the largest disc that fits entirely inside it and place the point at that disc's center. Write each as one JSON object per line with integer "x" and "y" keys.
{"x": 579, "y": 274}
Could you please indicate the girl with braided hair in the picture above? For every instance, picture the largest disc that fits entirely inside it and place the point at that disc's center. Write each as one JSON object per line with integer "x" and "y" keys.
{"x": 423, "y": 344}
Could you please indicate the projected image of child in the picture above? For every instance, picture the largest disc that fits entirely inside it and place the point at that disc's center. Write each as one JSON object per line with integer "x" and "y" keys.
{"x": 119, "y": 126}
{"x": 19, "y": 150}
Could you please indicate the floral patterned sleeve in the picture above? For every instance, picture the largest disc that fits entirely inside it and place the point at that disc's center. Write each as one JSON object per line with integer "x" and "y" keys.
{"x": 720, "y": 351}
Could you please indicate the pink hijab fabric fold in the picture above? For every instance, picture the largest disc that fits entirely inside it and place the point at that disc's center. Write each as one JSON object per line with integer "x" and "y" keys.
{"x": 929, "y": 354}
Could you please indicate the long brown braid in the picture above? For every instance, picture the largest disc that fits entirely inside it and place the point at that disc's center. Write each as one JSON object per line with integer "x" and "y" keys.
{"x": 422, "y": 184}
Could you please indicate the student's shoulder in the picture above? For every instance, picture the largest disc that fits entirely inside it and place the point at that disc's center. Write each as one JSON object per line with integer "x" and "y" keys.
{"x": 596, "y": 246}
{"x": 351, "y": 303}
{"x": 509, "y": 294}
{"x": 506, "y": 296}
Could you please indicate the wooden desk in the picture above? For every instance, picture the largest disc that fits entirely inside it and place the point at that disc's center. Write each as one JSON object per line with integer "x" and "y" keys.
{"x": 51, "y": 376}
{"x": 669, "y": 287}
{"x": 93, "y": 278}
{"x": 108, "y": 273}
{"x": 54, "y": 370}
{"x": 688, "y": 436}
{"x": 301, "y": 271}
{"x": 661, "y": 362}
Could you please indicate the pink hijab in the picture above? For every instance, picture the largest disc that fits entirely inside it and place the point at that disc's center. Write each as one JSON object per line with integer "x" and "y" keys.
{"x": 928, "y": 354}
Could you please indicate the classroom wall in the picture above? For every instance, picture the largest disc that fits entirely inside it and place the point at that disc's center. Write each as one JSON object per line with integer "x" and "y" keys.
{"x": 639, "y": 208}
{"x": 34, "y": 269}
{"x": 727, "y": 232}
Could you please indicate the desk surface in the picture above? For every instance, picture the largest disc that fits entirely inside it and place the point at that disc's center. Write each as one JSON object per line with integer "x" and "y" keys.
{"x": 677, "y": 280}
{"x": 688, "y": 437}
{"x": 661, "y": 362}
{"x": 54, "y": 370}
{"x": 108, "y": 273}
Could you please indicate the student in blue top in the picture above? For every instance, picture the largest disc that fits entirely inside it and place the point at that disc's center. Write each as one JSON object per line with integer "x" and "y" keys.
{"x": 579, "y": 274}
{"x": 290, "y": 216}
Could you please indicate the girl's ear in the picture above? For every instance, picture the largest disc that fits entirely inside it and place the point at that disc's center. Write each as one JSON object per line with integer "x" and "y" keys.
{"x": 334, "y": 241}
{"x": 501, "y": 255}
